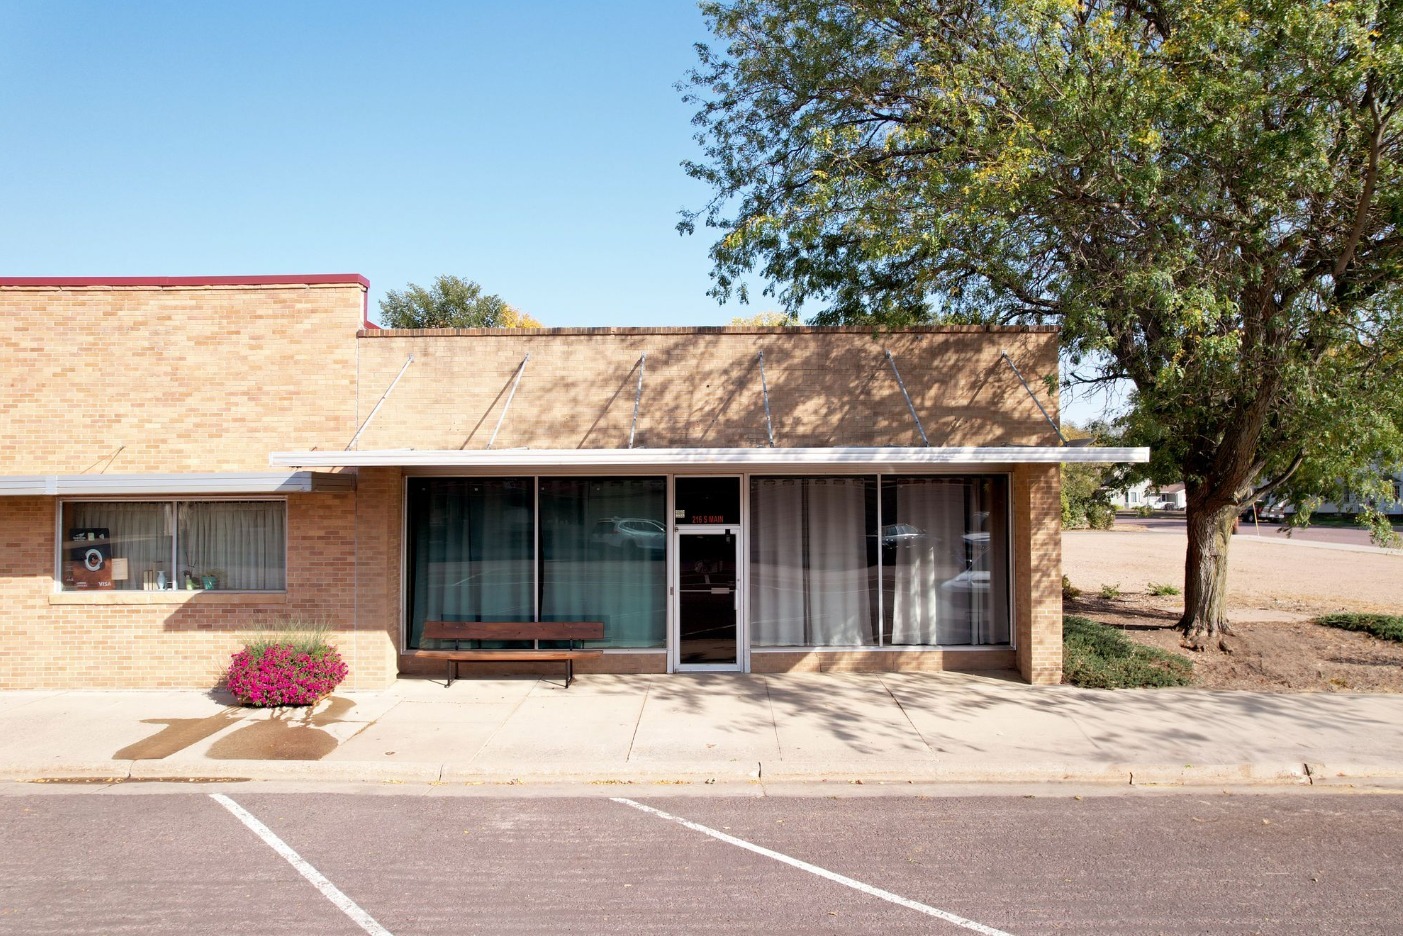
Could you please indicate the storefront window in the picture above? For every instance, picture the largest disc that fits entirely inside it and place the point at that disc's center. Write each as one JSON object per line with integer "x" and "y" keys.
{"x": 604, "y": 556}
{"x": 945, "y": 561}
{"x": 470, "y": 555}
{"x": 813, "y": 562}
{"x": 225, "y": 545}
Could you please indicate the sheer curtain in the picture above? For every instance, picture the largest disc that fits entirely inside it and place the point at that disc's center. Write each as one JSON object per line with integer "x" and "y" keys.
{"x": 777, "y": 592}
{"x": 242, "y": 544}
{"x": 925, "y": 538}
{"x": 604, "y": 558}
{"x": 470, "y": 543}
{"x": 945, "y": 542}
{"x": 809, "y": 562}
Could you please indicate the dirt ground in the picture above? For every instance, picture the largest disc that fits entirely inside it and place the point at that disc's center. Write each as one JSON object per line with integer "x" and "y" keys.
{"x": 1274, "y": 590}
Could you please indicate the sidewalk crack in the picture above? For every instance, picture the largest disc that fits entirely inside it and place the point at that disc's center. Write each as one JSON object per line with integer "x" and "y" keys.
{"x": 905, "y": 713}
{"x": 637, "y": 721}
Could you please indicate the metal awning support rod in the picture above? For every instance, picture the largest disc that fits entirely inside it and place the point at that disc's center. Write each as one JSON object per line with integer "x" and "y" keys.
{"x": 507, "y": 405}
{"x": 909, "y": 405}
{"x": 1019, "y": 374}
{"x": 356, "y": 438}
{"x": 637, "y": 396}
{"x": 765, "y": 391}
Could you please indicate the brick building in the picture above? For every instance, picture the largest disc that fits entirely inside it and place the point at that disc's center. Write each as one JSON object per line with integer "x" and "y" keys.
{"x": 184, "y": 460}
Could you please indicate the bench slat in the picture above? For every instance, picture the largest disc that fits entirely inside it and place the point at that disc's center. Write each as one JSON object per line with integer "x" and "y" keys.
{"x": 523, "y": 656}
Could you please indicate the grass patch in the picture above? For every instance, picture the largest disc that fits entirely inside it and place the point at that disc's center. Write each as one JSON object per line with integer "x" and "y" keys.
{"x": 1097, "y": 656}
{"x": 1160, "y": 589}
{"x": 1110, "y": 592}
{"x": 1383, "y": 626}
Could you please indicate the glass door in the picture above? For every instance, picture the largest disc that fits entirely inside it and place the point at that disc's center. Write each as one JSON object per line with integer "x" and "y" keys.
{"x": 708, "y": 600}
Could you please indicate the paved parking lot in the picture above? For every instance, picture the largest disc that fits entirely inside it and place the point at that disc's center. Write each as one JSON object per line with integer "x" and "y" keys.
{"x": 91, "y": 862}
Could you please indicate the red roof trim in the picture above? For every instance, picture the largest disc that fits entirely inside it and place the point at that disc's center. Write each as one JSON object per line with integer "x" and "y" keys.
{"x": 306, "y": 279}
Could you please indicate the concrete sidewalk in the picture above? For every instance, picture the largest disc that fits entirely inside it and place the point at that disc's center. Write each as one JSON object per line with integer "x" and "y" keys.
{"x": 924, "y": 728}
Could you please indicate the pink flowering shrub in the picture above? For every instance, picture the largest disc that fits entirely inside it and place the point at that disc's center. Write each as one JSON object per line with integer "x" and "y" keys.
{"x": 274, "y": 674}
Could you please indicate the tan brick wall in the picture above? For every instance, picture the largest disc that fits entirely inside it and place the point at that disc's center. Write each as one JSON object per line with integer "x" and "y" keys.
{"x": 202, "y": 379}
{"x": 174, "y": 378}
{"x": 179, "y": 639}
{"x": 1037, "y": 557}
{"x": 702, "y": 388}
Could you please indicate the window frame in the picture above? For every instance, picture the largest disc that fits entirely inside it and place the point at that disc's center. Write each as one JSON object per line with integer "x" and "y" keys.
{"x": 60, "y": 540}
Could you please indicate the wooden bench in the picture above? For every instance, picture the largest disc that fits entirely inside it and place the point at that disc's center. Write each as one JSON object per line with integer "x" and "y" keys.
{"x": 506, "y": 630}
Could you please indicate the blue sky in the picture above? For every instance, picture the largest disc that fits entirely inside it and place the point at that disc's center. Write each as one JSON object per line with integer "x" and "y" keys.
{"x": 533, "y": 147}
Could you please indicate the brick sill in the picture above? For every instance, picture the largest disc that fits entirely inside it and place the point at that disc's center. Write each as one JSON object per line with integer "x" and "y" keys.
{"x": 179, "y": 597}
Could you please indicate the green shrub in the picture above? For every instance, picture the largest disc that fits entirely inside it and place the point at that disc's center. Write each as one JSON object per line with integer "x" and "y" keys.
{"x": 1100, "y": 516}
{"x": 1160, "y": 589}
{"x": 1144, "y": 510}
{"x": 1069, "y": 590}
{"x": 1096, "y": 656}
{"x": 1384, "y": 626}
{"x": 1110, "y": 592}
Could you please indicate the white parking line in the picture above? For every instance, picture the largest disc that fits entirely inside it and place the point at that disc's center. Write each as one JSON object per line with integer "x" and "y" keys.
{"x": 821, "y": 872}
{"x": 329, "y": 890}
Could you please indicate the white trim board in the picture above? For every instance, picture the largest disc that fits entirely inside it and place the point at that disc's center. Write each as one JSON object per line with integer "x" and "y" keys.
{"x": 712, "y": 458}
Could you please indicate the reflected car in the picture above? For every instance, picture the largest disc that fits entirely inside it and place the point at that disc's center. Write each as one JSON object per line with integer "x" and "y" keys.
{"x": 901, "y": 534}
{"x": 630, "y": 533}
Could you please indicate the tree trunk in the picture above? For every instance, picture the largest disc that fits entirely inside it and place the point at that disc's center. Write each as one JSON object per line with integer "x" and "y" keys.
{"x": 1205, "y": 622}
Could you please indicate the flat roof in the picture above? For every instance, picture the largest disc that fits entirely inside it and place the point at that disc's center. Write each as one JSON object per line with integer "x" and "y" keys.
{"x": 872, "y": 330}
{"x": 291, "y": 279}
{"x": 889, "y": 458}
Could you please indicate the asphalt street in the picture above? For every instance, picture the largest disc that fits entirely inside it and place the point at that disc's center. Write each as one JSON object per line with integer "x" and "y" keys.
{"x": 1189, "y": 862}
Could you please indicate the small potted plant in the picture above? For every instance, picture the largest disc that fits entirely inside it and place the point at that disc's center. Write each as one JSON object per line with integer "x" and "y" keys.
{"x": 293, "y": 666}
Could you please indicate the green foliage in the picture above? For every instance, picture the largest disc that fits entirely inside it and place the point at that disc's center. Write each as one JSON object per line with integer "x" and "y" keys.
{"x": 1144, "y": 510}
{"x": 1100, "y": 515}
{"x": 1384, "y": 626}
{"x": 1069, "y": 590}
{"x": 1084, "y": 501}
{"x": 1205, "y": 195}
{"x": 1110, "y": 592}
{"x": 302, "y": 634}
{"x": 1100, "y": 657}
{"x": 771, "y": 319}
{"x": 1161, "y": 589}
{"x": 450, "y": 303}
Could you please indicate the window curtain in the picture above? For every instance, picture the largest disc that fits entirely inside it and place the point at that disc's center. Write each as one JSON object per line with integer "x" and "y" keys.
{"x": 604, "y": 558}
{"x": 810, "y": 581}
{"x": 139, "y": 532}
{"x": 470, "y": 542}
{"x": 242, "y": 544}
{"x": 946, "y": 543}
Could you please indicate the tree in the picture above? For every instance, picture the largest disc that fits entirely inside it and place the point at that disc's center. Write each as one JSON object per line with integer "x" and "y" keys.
{"x": 771, "y": 319}
{"x": 450, "y": 303}
{"x": 1204, "y": 194}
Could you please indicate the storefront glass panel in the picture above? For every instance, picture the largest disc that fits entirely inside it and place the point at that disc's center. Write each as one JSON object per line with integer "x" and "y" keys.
{"x": 945, "y": 561}
{"x": 470, "y": 555}
{"x": 604, "y": 556}
{"x": 813, "y": 562}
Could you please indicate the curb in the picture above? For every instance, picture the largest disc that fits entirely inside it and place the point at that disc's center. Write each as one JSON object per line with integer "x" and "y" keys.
{"x": 1129, "y": 775}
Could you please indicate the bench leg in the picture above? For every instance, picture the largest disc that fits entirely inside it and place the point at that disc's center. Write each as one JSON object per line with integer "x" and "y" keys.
{"x": 569, "y": 671}
{"x": 452, "y": 665}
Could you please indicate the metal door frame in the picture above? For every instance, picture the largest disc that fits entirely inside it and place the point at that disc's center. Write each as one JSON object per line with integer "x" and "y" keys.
{"x": 742, "y": 644}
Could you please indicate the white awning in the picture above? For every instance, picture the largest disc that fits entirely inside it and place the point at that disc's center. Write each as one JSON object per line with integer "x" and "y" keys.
{"x": 233, "y": 482}
{"x": 888, "y": 458}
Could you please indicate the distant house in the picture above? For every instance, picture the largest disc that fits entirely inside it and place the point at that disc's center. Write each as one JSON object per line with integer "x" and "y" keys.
{"x": 1145, "y": 494}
